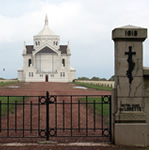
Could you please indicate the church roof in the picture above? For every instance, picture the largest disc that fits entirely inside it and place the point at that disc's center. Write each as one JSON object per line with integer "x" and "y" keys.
{"x": 46, "y": 30}
{"x": 46, "y": 50}
{"x": 30, "y": 49}
{"x": 63, "y": 49}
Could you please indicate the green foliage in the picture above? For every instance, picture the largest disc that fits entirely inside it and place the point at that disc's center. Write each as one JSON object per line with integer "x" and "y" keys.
{"x": 95, "y": 79}
{"x": 4, "y": 106}
{"x": 103, "y": 79}
{"x": 83, "y": 78}
{"x": 97, "y": 87}
{"x": 112, "y": 78}
{"x": 98, "y": 106}
{"x": 7, "y": 83}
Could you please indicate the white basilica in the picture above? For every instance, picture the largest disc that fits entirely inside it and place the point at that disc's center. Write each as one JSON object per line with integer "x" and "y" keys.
{"x": 46, "y": 60}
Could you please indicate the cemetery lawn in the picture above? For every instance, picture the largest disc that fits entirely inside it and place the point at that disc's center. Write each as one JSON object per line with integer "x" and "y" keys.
{"x": 98, "y": 107}
{"x": 97, "y": 87}
{"x": 4, "y": 106}
{"x": 7, "y": 83}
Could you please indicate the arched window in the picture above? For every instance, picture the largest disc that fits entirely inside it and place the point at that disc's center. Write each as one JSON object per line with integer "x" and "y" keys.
{"x": 63, "y": 62}
{"x": 38, "y": 42}
{"x": 54, "y": 43}
{"x": 29, "y": 62}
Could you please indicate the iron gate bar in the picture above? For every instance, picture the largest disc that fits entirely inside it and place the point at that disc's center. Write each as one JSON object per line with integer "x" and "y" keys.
{"x": 38, "y": 113}
{"x": 110, "y": 118}
{"x": 15, "y": 116}
{"x": 94, "y": 115}
{"x": 8, "y": 117}
{"x": 23, "y": 116}
{"x": 79, "y": 115}
{"x": 71, "y": 116}
{"x": 63, "y": 116}
{"x": 102, "y": 116}
{"x": 48, "y": 131}
{"x": 47, "y": 115}
{"x": 56, "y": 116}
{"x": 86, "y": 116}
{"x": 30, "y": 116}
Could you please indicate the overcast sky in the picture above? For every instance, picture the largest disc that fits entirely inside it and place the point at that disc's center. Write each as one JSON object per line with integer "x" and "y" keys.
{"x": 86, "y": 24}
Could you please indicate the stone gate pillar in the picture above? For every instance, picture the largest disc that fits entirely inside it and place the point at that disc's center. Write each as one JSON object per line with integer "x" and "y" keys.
{"x": 130, "y": 126}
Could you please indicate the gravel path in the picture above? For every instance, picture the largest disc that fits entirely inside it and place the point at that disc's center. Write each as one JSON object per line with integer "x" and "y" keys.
{"x": 38, "y": 89}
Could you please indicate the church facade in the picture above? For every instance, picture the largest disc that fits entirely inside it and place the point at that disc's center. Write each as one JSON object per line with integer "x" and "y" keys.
{"x": 46, "y": 60}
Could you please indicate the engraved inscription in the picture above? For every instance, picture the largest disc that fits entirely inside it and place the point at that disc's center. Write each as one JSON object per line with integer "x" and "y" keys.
{"x": 131, "y": 33}
{"x": 130, "y": 107}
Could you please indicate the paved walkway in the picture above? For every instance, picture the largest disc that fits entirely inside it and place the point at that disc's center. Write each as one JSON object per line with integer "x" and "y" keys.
{"x": 70, "y": 146}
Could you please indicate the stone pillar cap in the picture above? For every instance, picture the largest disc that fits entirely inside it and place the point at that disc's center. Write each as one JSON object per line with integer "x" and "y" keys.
{"x": 129, "y": 32}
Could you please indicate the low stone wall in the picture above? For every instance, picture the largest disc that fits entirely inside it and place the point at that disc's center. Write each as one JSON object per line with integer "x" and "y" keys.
{"x": 100, "y": 83}
{"x": 3, "y": 81}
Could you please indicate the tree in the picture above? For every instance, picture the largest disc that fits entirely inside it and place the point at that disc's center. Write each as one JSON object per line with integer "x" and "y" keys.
{"x": 95, "y": 78}
{"x": 103, "y": 79}
{"x": 83, "y": 78}
{"x": 112, "y": 78}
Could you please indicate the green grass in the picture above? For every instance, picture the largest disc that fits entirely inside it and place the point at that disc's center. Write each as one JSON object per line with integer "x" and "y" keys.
{"x": 7, "y": 83}
{"x": 98, "y": 107}
{"x": 12, "y": 100}
{"x": 4, "y": 106}
{"x": 97, "y": 87}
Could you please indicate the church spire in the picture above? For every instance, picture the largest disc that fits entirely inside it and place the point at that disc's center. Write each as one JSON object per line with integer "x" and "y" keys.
{"x": 46, "y": 20}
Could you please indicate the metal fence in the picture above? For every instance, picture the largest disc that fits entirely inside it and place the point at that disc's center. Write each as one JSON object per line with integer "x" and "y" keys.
{"x": 55, "y": 116}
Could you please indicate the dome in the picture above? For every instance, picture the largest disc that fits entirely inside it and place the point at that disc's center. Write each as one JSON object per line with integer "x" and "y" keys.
{"x": 46, "y": 30}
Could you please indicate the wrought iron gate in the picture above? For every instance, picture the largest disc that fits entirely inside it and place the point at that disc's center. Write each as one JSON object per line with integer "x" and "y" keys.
{"x": 55, "y": 116}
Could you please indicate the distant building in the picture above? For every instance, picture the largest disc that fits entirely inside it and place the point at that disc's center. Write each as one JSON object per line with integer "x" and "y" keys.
{"x": 46, "y": 60}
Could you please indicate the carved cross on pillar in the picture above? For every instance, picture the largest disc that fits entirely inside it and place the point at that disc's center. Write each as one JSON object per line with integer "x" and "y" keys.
{"x": 131, "y": 64}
